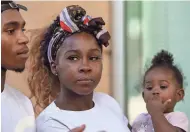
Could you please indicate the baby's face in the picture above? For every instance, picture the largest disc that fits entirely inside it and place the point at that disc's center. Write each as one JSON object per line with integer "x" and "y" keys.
{"x": 161, "y": 82}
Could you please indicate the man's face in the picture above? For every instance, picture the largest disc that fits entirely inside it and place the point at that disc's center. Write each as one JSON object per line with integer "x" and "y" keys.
{"x": 14, "y": 51}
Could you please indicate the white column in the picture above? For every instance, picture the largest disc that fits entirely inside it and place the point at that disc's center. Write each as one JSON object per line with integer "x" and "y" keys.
{"x": 118, "y": 52}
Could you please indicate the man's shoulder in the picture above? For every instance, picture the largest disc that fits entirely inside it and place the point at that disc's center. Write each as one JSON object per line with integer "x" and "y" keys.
{"x": 13, "y": 98}
{"x": 16, "y": 110}
{"x": 13, "y": 94}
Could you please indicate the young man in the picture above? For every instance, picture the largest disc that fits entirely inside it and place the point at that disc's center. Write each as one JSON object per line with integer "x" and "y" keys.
{"x": 17, "y": 111}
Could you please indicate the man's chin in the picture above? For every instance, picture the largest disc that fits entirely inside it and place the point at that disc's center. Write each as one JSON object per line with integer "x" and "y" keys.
{"x": 18, "y": 70}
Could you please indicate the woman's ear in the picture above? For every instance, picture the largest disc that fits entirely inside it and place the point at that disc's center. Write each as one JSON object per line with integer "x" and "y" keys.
{"x": 54, "y": 68}
{"x": 180, "y": 94}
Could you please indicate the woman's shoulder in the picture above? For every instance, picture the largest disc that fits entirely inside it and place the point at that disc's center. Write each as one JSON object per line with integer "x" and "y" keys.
{"x": 104, "y": 98}
{"x": 100, "y": 95}
{"x": 47, "y": 112}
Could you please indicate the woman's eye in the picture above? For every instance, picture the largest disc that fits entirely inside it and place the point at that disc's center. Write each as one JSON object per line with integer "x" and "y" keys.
{"x": 94, "y": 58}
{"x": 73, "y": 58}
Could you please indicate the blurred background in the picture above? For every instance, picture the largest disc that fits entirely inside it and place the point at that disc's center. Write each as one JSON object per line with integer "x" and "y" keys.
{"x": 139, "y": 30}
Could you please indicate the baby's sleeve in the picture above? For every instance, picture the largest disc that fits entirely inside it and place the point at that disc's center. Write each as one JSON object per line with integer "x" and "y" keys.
{"x": 180, "y": 120}
{"x": 137, "y": 122}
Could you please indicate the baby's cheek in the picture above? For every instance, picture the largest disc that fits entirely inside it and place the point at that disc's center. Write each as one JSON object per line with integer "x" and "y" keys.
{"x": 147, "y": 96}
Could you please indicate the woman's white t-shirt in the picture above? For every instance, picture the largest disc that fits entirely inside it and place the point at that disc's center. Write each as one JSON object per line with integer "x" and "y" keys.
{"x": 105, "y": 116}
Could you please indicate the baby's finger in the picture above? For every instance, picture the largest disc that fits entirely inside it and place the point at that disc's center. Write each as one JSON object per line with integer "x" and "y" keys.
{"x": 167, "y": 102}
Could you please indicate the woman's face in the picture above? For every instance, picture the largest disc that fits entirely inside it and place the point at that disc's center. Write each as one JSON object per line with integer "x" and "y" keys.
{"x": 79, "y": 64}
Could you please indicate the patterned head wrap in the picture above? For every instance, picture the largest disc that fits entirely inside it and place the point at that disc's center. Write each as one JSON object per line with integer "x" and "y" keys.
{"x": 73, "y": 19}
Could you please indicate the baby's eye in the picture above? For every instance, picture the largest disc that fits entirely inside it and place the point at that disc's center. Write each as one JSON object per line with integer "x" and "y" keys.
{"x": 149, "y": 88}
{"x": 163, "y": 87}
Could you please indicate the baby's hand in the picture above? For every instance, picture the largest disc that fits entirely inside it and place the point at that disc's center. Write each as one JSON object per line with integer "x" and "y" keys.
{"x": 155, "y": 105}
{"x": 78, "y": 129}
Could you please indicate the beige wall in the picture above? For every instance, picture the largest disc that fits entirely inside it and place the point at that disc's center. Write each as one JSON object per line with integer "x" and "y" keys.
{"x": 42, "y": 13}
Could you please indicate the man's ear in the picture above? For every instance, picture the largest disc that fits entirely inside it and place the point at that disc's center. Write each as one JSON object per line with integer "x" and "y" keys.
{"x": 180, "y": 94}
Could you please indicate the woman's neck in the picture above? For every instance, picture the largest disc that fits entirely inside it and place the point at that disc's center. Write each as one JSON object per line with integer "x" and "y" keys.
{"x": 68, "y": 100}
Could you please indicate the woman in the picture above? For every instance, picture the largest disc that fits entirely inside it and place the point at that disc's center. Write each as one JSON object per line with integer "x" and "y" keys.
{"x": 71, "y": 53}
